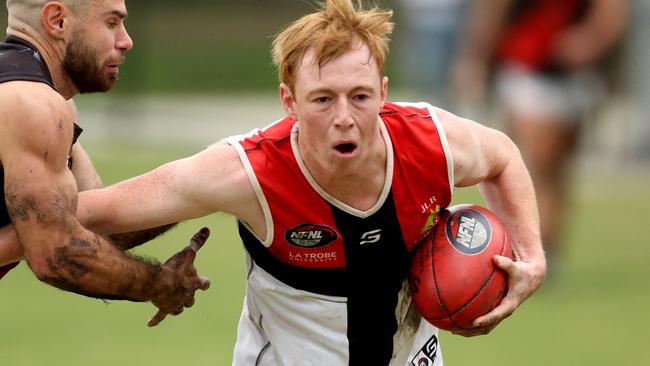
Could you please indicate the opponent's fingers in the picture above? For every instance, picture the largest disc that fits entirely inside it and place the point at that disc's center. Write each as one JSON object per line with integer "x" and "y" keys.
{"x": 189, "y": 301}
{"x": 204, "y": 283}
{"x": 157, "y": 318}
{"x": 199, "y": 239}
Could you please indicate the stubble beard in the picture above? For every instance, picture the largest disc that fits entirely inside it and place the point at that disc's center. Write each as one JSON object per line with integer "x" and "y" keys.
{"x": 80, "y": 63}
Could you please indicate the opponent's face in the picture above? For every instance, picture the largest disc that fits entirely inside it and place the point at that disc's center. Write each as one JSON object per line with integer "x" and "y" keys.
{"x": 337, "y": 106}
{"x": 97, "y": 47}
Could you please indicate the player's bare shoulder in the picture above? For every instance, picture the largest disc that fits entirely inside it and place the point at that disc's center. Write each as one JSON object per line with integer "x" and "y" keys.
{"x": 34, "y": 116}
{"x": 222, "y": 176}
{"x": 457, "y": 129}
{"x": 231, "y": 184}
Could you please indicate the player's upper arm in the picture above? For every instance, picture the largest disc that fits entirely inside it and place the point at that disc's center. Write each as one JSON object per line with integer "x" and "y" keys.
{"x": 210, "y": 181}
{"x": 40, "y": 192}
{"x": 83, "y": 169}
{"x": 478, "y": 152}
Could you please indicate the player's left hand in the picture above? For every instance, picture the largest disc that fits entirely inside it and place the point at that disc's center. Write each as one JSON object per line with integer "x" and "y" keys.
{"x": 186, "y": 280}
{"x": 524, "y": 278}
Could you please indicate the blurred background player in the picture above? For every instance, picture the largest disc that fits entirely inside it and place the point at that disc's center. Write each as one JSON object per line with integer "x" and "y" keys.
{"x": 546, "y": 58}
{"x": 428, "y": 36}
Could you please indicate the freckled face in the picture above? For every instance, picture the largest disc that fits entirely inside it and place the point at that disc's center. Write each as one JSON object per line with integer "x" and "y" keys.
{"x": 337, "y": 106}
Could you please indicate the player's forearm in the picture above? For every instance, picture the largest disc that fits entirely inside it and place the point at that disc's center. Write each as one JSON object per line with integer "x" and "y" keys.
{"x": 86, "y": 264}
{"x": 485, "y": 20}
{"x": 607, "y": 21}
{"x": 511, "y": 196}
{"x": 126, "y": 241}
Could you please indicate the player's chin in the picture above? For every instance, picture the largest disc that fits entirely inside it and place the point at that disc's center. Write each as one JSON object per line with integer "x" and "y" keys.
{"x": 109, "y": 83}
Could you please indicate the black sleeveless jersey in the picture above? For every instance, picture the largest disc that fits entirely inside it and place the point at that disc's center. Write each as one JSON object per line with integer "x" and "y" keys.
{"x": 19, "y": 60}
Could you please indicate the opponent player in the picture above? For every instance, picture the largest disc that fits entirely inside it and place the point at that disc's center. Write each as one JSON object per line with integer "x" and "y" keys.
{"x": 331, "y": 200}
{"x": 53, "y": 51}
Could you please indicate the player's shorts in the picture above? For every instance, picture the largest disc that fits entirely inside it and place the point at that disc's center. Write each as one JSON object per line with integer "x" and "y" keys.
{"x": 6, "y": 268}
{"x": 565, "y": 97}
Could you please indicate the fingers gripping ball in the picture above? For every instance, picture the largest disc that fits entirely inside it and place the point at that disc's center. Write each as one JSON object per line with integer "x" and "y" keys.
{"x": 452, "y": 276}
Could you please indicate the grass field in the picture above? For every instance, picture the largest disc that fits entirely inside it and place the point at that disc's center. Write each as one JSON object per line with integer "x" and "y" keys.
{"x": 594, "y": 312}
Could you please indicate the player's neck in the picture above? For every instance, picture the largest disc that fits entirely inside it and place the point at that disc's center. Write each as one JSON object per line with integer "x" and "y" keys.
{"x": 357, "y": 183}
{"x": 53, "y": 56}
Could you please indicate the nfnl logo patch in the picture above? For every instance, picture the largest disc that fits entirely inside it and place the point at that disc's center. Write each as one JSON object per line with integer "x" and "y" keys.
{"x": 469, "y": 231}
{"x": 310, "y": 235}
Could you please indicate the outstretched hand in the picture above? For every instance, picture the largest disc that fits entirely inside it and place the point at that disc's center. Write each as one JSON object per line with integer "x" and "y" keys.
{"x": 524, "y": 278}
{"x": 186, "y": 280}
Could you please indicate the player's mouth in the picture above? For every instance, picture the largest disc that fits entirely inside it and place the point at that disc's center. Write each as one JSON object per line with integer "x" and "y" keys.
{"x": 346, "y": 148}
{"x": 114, "y": 69}
{"x": 115, "y": 66}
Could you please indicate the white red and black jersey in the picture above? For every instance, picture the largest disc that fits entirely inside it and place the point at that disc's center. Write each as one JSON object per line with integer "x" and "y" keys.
{"x": 327, "y": 285}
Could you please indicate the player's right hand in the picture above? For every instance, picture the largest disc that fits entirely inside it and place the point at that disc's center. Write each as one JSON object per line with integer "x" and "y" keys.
{"x": 183, "y": 280}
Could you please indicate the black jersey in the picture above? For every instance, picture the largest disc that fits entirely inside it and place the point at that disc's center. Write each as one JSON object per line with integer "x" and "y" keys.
{"x": 19, "y": 60}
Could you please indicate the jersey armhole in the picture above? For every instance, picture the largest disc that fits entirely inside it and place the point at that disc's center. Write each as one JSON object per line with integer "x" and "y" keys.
{"x": 443, "y": 139}
{"x": 234, "y": 142}
{"x": 445, "y": 147}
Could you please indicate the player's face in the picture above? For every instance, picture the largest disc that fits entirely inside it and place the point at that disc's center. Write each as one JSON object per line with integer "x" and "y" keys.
{"x": 97, "y": 47}
{"x": 337, "y": 106}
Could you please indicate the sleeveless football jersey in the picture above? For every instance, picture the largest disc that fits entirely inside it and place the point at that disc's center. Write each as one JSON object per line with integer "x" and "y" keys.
{"x": 327, "y": 285}
{"x": 19, "y": 60}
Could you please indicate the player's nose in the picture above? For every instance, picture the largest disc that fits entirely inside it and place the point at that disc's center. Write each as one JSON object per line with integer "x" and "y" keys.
{"x": 123, "y": 42}
{"x": 344, "y": 118}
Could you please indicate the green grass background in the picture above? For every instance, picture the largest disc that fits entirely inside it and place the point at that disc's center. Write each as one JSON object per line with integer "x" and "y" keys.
{"x": 593, "y": 312}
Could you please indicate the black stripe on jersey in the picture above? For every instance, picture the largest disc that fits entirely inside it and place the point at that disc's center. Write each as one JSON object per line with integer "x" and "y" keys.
{"x": 320, "y": 281}
{"x": 376, "y": 264}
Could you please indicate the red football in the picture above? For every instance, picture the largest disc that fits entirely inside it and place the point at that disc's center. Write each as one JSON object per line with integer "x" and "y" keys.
{"x": 452, "y": 276}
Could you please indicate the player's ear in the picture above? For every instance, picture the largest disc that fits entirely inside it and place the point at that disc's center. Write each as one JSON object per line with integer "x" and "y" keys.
{"x": 384, "y": 90}
{"x": 288, "y": 101}
{"x": 55, "y": 18}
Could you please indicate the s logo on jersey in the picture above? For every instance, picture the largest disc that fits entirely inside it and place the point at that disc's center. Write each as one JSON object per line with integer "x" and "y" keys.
{"x": 428, "y": 353}
{"x": 310, "y": 235}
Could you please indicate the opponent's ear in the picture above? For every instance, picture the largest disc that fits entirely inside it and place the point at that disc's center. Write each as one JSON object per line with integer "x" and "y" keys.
{"x": 288, "y": 101}
{"x": 55, "y": 17}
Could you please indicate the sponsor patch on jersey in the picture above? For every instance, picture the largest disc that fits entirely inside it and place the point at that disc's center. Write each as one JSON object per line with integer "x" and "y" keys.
{"x": 310, "y": 235}
{"x": 469, "y": 231}
{"x": 427, "y": 354}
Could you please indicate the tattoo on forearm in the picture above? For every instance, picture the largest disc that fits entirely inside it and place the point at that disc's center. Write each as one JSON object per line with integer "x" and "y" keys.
{"x": 70, "y": 263}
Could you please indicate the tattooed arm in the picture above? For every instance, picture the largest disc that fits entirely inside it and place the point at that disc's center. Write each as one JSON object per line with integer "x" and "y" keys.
{"x": 86, "y": 178}
{"x": 41, "y": 197}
